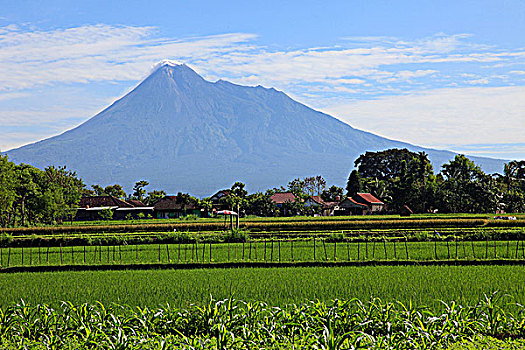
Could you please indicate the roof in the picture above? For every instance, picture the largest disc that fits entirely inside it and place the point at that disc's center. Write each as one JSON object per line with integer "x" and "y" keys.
{"x": 135, "y": 203}
{"x": 220, "y": 194}
{"x": 284, "y": 197}
{"x": 103, "y": 201}
{"x": 367, "y": 198}
{"x": 320, "y": 201}
{"x": 170, "y": 203}
{"x": 354, "y": 202}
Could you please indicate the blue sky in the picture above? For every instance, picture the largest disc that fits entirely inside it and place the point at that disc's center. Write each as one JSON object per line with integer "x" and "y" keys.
{"x": 443, "y": 74}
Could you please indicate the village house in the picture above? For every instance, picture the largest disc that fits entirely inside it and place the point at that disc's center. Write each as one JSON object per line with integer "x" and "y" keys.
{"x": 170, "y": 207}
{"x": 218, "y": 200}
{"x": 360, "y": 204}
{"x": 90, "y": 208}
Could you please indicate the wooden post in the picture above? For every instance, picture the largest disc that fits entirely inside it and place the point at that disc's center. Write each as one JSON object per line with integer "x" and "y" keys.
{"x": 473, "y": 253}
{"x": 22, "y": 255}
{"x": 243, "y": 250}
{"x": 358, "y": 249}
{"x": 495, "y": 253}
{"x": 30, "y": 256}
{"x": 8, "y": 256}
{"x": 1, "y": 256}
{"x": 384, "y": 246}
{"x": 395, "y": 252}
{"x": 448, "y": 250}
{"x": 464, "y": 250}
{"x": 250, "y": 250}
{"x": 487, "y": 248}
{"x": 366, "y": 247}
{"x": 178, "y": 254}
{"x": 47, "y": 259}
{"x": 522, "y": 250}
{"x": 84, "y": 253}
{"x": 119, "y": 253}
{"x": 167, "y": 251}
{"x": 435, "y": 249}
{"x": 508, "y": 244}
{"x": 210, "y": 251}
{"x": 314, "y": 247}
{"x": 335, "y": 250}
{"x": 279, "y": 247}
{"x": 347, "y": 249}
{"x": 517, "y": 246}
{"x": 203, "y": 251}
{"x": 61, "y": 260}
{"x": 406, "y": 248}
{"x": 291, "y": 248}
{"x": 108, "y": 253}
{"x": 456, "y": 242}
{"x": 228, "y": 251}
{"x": 324, "y": 247}
{"x": 373, "y": 250}
{"x": 271, "y": 255}
{"x": 72, "y": 256}
{"x": 113, "y": 252}
{"x": 265, "y": 250}
{"x": 159, "y": 253}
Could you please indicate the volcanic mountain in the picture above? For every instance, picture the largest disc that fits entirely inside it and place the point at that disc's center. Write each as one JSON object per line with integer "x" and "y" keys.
{"x": 183, "y": 133}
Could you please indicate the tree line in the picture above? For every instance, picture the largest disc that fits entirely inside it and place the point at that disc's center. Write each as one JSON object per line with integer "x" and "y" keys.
{"x": 399, "y": 177}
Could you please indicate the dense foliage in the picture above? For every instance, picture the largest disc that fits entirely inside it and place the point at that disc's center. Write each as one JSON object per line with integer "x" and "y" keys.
{"x": 31, "y": 196}
{"x": 400, "y": 177}
{"x": 235, "y": 324}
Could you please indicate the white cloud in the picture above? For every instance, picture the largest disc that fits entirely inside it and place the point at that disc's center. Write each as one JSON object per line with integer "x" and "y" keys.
{"x": 443, "y": 117}
{"x": 356, "y": 69}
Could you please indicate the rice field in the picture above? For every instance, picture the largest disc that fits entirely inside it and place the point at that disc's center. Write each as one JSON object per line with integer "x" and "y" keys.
{"x": 422, "y": 285}
{"x": 310, "y": 250}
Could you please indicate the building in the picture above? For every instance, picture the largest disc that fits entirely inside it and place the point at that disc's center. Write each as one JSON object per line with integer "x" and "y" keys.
{"x": 360, "y": 204}
{"x": 171, "y": 207}
{"x": 91, "y": 208}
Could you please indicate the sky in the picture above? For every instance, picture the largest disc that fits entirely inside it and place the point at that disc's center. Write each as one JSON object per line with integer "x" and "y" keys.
{"x": 440, "y": 74}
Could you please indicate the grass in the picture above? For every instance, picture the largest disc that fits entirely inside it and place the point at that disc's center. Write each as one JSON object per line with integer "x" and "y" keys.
{"x": 261, "y": 251}
{"x": 421, "y": 285}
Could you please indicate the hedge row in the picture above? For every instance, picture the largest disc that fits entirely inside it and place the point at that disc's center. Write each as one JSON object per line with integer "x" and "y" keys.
{"x": 266, "y": 226}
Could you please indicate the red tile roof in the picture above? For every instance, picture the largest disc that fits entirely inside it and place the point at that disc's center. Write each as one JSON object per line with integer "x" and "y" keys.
{"x": 136, "y": 203}
{"x": 368, "y": 198}
{"x": 280, "y": 198}
{"x": 355, "y": 202}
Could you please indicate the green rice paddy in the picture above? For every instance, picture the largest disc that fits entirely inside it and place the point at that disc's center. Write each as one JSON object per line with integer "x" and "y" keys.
{"x": 422, "y": 285}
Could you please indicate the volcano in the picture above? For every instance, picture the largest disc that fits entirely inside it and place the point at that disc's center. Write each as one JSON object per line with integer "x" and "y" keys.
{"x": 183, "y": 133}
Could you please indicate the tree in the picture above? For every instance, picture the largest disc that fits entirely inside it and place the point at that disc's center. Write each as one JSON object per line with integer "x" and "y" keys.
{"x": 27, "y": 189}
{"x": 237, "y": 198}
{"x": 353, "y": 186}
{"x": 61, "y": 194}
{"x": 466, "y": 188}
{"x": 8, "y": 194}
{"x": 397, "y": 176}
{"x": 115, "y": 191}
{"x": 332, "y": 194}
{"x": 154, "y": 196}
{"x": 261, "y": 204}
{"x": 138, "y": 190}
{"x": 106, "y": 214}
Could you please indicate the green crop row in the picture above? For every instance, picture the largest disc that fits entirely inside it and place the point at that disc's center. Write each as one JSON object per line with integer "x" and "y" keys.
{"x": 261, "y": 251}
{"x": 303, "y": 225}
{"x": 236, "y": 324}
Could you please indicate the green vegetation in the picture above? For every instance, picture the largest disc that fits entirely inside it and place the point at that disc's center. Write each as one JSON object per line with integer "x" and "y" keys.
{"x": 233, "y": 324}
{"x": 311, "y": 250}
{"x": 421, "y": 285}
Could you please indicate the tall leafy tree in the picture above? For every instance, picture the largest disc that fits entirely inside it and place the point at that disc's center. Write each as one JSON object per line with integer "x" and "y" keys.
{"x": 8, "y": 194}
{"x": 466, "y": 188}
{"x": 138, "y": 190}
{"x": 353, "y": 185}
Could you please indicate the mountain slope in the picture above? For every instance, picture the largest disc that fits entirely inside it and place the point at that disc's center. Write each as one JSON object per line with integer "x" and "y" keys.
{"x": 183, "y": 133}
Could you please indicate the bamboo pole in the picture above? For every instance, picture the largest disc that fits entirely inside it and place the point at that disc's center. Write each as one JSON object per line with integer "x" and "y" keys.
{"x": 406, "y": 248}
{"x": 325, "y": 254}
